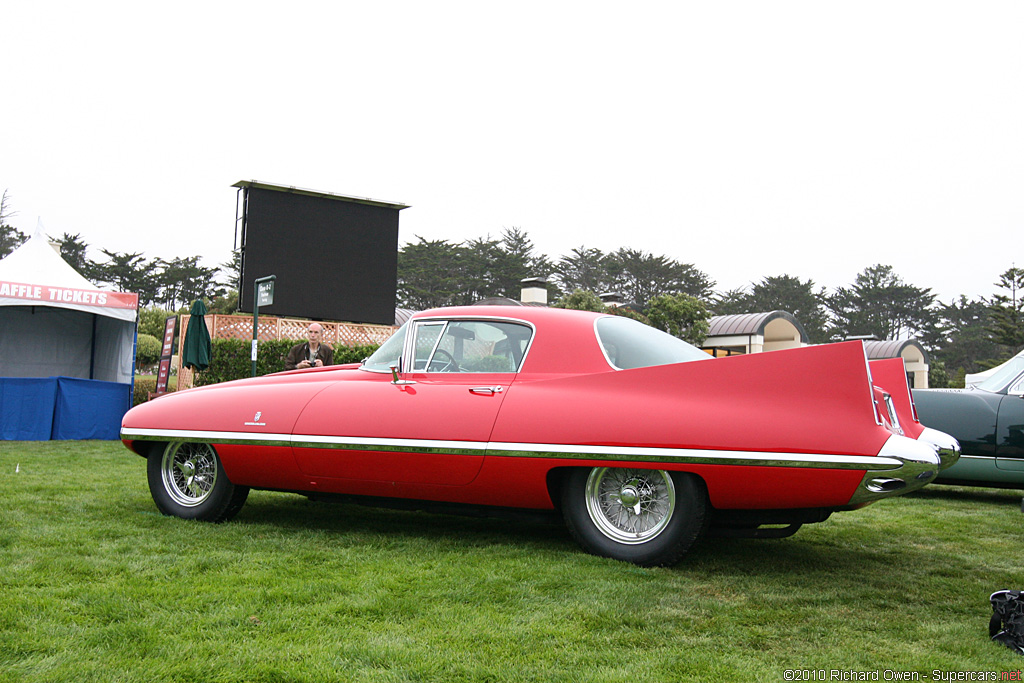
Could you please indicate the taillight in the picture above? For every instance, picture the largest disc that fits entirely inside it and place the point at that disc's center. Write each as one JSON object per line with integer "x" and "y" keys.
{"x": 894, "y": 419}
{"x": 876, "y": 401}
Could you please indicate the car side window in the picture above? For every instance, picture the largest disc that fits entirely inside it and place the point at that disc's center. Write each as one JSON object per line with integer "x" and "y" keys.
{"x": 479, "y": 346}
{"x": 425, "y": 343}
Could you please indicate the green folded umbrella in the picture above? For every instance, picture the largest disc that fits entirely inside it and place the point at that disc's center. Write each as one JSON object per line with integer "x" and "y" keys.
{"x": 196, "y": 351}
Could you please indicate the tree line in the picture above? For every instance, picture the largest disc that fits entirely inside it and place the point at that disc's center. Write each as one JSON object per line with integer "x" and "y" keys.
{"x": 963, "y": 335}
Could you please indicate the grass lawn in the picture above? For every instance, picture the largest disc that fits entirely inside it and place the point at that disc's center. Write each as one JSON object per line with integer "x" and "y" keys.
{"x": 95, "y": 585}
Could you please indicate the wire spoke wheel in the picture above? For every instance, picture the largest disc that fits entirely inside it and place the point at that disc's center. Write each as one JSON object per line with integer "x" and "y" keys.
{"x": 647, "y": 517}
{"x": 630, "y": 506}
{"x": 189, "y": 473}
{"x": 187, "y": 480}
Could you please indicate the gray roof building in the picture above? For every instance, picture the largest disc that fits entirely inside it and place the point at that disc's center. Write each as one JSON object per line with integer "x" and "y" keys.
{"x": 754, "y": 333}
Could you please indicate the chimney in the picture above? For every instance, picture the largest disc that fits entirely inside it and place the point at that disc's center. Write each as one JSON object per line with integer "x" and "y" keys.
{"x": 534, "y": 291}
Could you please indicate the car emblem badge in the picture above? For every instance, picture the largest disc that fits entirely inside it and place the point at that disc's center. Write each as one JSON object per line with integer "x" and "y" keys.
{"x": 256, "y": 420}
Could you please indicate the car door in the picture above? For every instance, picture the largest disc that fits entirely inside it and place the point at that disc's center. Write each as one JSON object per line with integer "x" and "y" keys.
{"x": 1010, "y": 428}
{"x": 429, "y": 427}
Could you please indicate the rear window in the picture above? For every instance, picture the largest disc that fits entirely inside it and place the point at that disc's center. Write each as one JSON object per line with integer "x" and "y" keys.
{"x": 630, "y": 344}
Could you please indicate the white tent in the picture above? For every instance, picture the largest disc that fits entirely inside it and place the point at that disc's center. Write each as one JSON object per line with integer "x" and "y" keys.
{"x": 55, "y": 324}
{"x": 977, "y": 378}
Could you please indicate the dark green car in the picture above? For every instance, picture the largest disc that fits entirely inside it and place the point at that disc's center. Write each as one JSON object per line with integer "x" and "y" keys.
{"x": 988, "y": 421}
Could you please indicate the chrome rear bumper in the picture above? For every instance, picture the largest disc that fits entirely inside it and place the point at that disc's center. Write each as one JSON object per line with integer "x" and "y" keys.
{"x": 945, "y": 445}
{"x": 919, "y": 464}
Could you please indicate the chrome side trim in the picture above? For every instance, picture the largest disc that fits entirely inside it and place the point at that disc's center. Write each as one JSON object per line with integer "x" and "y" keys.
{"x": 694, "y": 456}
{"x": 881, "y": 463}
{"x": 174, "y": 435}
{"x": 947, "y": 447}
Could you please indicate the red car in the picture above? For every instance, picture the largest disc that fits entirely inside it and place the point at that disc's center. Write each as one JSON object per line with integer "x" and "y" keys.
{"x": 641, "y": 441}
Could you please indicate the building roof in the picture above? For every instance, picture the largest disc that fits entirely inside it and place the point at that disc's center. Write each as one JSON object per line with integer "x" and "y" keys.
{"x": 892, "y": 348}
{"x": 498, "y": 301}
{"x": 402, "y": 316}
{"x": 751, "y": 324}
{"x": 505, "y": 301}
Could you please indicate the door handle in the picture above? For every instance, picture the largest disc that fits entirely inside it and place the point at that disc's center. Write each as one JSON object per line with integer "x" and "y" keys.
{"x": 487, "y": 391}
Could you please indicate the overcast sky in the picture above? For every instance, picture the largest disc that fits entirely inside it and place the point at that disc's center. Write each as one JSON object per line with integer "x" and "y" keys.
{"x": 750, "y": 139}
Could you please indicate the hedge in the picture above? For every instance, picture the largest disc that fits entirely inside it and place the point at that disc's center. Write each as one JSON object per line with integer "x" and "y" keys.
{"x": 143, "y": 385}
{"x": 147, "y": 350}
{"x": 232, "y": 359}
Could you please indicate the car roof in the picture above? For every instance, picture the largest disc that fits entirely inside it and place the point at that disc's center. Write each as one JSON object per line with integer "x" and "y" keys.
{"x": 527, "y": 313}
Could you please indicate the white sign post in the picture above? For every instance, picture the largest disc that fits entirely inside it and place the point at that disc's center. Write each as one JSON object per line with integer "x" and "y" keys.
{"x": 262, "y": 296}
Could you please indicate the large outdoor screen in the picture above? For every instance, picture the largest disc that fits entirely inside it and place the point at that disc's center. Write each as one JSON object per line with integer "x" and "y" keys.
{"x": 335, "y": 257}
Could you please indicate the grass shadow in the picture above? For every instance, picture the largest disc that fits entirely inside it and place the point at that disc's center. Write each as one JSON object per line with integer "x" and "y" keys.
{"x": 971, "y": 494}
{"x": 803, "y": 554}
{"x": 297, "y": 513}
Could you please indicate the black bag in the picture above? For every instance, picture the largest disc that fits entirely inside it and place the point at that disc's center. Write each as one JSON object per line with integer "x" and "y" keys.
{"x": 1007, "y": 623}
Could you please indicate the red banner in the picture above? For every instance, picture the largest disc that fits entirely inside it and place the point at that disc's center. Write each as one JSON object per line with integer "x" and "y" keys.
{"x": 169, "y": 325}
{"x": 162, "y": 375}
{"x": 86, "y": 297}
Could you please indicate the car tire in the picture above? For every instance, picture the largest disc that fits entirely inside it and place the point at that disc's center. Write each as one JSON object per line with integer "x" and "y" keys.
{"x": 187, "y": 480}
{"x": 647, "y": 517}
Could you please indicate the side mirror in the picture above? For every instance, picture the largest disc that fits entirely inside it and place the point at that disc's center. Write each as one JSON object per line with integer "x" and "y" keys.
{"x": 396, "y": 370}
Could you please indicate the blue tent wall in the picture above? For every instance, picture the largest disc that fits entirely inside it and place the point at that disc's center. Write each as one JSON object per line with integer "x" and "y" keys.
{"x": 89, "y": 409}
{"x": 61, "y": 408}
{"x": 26, "y": 408}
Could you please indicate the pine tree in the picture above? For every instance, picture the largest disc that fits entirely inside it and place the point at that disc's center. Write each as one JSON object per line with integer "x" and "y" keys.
{"x": 1007, "y": 311}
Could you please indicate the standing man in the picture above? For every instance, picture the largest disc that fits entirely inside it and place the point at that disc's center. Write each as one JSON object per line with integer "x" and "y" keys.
{"x": 311, "y": 354}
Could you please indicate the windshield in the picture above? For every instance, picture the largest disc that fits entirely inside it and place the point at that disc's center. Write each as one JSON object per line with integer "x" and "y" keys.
{"x": 630, "y": 344}
{"x": 388, "y": 354}
{"x": 1004, "y": 375}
